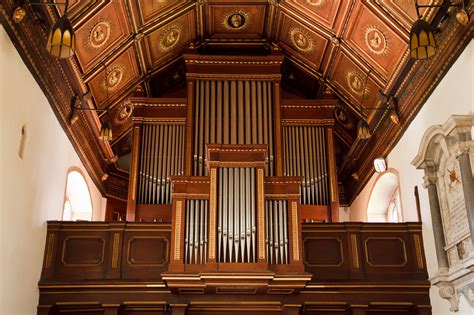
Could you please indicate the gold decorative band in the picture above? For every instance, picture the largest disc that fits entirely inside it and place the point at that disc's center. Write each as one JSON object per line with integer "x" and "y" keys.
{"x": 212, "y": 215}
{"x": 296, "y": 245}
{"x": 355, "y": 251}
{"x": 261, "y": 215}
{"x": 49, "y": 251}
{"x": 177, "y": 231}
{"x": 419, "y": 255}
{"x": 115, "y": 250}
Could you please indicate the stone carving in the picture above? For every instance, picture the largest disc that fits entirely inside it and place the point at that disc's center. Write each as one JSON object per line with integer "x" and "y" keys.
{"x": 99, "y": 34}
{"x": 445, "y": 153}
{"x": 236, "y": 20}
{"x": 448, "y": 292}
{"x": 375, "y": 40}
{"x": 301, "y": 40}
{"x": 169, "y": 37}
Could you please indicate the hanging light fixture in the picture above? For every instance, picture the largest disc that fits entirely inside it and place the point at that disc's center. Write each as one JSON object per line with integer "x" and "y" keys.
{"x": 106, "y": 131}
{"x": 61, "y": 41}
{"x": 422, "y": 40}
{"x": 363, "y": 129}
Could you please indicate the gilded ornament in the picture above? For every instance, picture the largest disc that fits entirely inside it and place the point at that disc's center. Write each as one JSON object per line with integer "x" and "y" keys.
{"x": 236, "y": 20}
{"x": 355, "y": 81}
{"x": 170, "y": 37}
{"x": 375, "y": 40}
{"x": 124, "y": 112}
{"x": 113, "y": 78}
{"x": 301, "y": 40}
{"x": 316, "y": 3}
{"x": 99, "y": 34}
{"x": 343, "y": 118}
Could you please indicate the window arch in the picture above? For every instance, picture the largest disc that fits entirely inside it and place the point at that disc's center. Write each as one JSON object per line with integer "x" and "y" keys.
{"x": 384, "y": 202}
{"x": 77, "y": 200}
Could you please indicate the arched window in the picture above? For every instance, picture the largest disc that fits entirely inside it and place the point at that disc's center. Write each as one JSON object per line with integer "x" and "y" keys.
{"x": 77, "y": 202}
{"x": 384, "y": 202}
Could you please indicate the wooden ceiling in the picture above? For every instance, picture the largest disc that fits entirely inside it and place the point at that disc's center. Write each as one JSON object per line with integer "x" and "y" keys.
{"x": 344, "y": 49}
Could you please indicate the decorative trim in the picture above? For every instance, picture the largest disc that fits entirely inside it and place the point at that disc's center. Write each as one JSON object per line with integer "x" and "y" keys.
{"x": 419, "y": 255}
{"x": 355, "y": 251}
{"x": 115, "y": 250}
{"x": 177, "y": 231}
{"x": 294, "y": 217}
{"x": 49, "y": 251}
{"x": 261, "y": 215}
{"x": 212, "y": 215}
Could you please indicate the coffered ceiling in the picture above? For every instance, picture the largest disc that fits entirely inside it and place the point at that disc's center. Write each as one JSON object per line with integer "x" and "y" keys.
{"x": 344, "y": 49}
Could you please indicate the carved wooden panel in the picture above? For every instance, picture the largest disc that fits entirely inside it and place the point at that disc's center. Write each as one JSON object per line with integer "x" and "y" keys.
{"x": 150, "y": 9}
{"x": 326, "y": 254}
{"x": 307, "y": 44}
{"x": 146, "y": 253}
{"x": 348, "y": 77}
{"x": 329, "y": 253}
{"x": 83, "y": 251}
{"x": 170, "y": 39}
{"x": 404, "y": 11}
{"x": 243, "y": 20}
{"x": 328, "y": 13}
{"x": 102, "y": 33}
{"x": 118, "y": 75}
{"x": 377, "y": 42}
{"x": 139, "y": 253}
{"x": 382, "y": 251}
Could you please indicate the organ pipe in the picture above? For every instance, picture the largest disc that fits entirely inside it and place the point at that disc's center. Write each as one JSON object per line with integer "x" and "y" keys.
{"x": 161, "y": 156}
{"x": 195, "y": 233}
{"x": 232, "y": 112}
{"x": 236, "y": 230}
{"x": 276, "y": 215}
{"x": 305, "y": 155}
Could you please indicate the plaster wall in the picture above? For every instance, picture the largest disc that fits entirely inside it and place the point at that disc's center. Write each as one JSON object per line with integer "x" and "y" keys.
{"x": 31, "y": 189}
{"x": 453, "y": 96}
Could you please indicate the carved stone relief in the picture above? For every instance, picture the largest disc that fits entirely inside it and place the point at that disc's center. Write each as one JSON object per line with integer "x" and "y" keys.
{"x": 445, "y": 154}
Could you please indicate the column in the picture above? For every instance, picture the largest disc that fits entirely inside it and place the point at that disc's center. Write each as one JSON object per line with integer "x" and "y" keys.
{"x": 430, "y": 179}
{"x": 467, "y": 187}
{"x": 132, "y": 182}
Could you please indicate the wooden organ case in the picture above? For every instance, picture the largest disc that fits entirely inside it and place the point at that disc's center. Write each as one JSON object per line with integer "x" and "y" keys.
{"x": 223, "y": 185}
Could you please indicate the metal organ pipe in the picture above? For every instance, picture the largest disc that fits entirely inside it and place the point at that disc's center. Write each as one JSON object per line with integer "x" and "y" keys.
{"x": 195, "y": 233}
{"x": 161, "y": 156}
{"x": 276, "y": 214}
{"x": 232, "y": 112}
{"x": 305, "y": 155}
{"x": 236, "y": 215}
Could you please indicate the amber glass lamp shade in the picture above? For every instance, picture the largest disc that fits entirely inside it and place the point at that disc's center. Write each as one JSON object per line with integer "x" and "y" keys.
{"x": 61, "y": 40}
{"x": 363, "y": 130}
{"x": 106, "y": 131}
{"x": 422, "y": 40}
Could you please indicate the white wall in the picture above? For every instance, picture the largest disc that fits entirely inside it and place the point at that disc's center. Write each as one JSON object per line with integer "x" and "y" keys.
{"x": 32, "y": 189}
{"x": 453, "y": 96}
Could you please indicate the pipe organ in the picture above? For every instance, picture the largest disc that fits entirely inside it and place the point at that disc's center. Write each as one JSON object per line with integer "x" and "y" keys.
{"x": 234, "y": 167}
{"x": 233, "y": 191}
